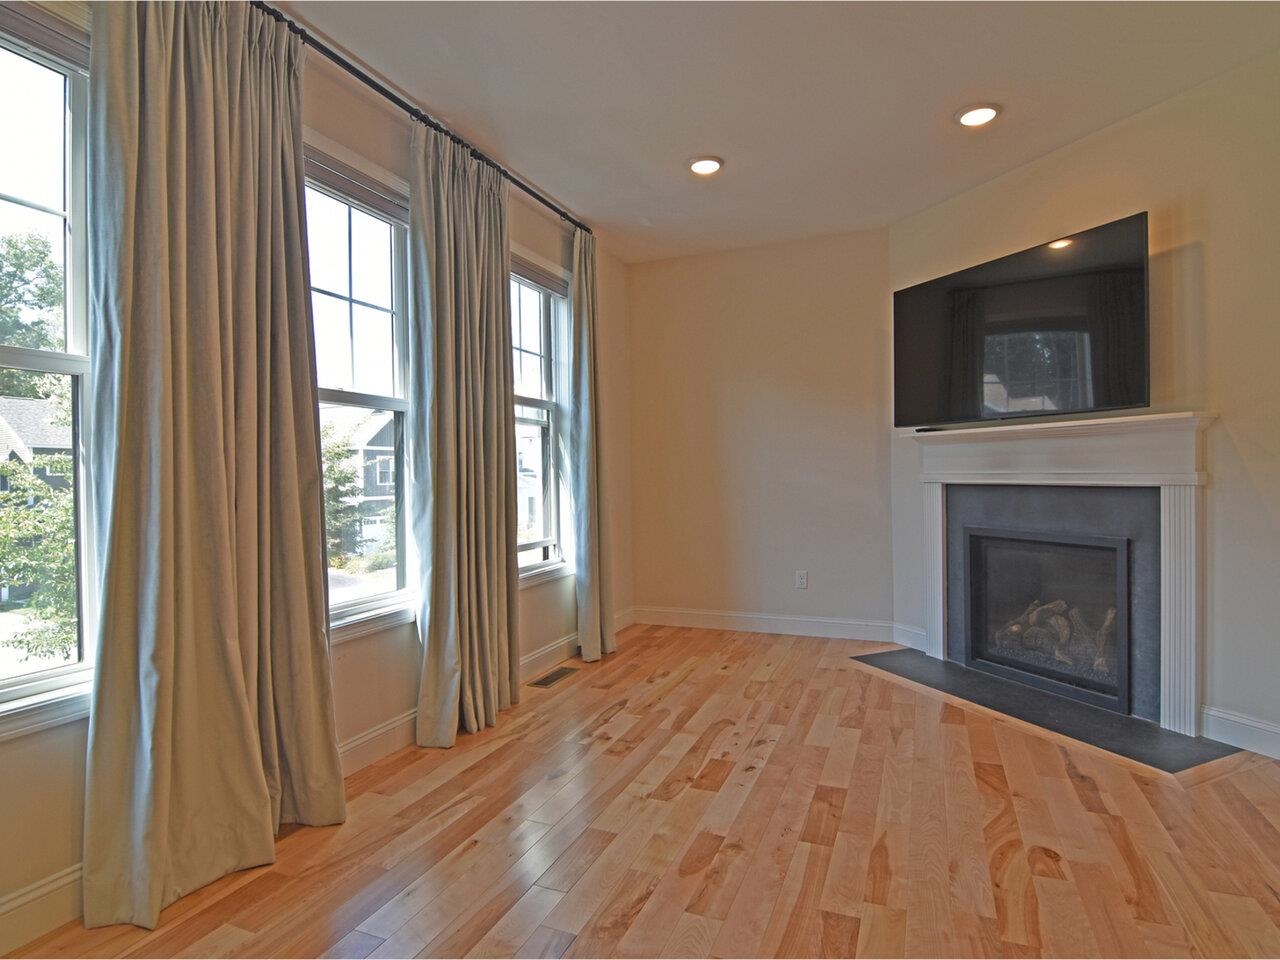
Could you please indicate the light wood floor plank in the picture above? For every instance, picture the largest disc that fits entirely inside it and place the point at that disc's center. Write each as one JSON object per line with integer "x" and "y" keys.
{"x": 710, "y": 793}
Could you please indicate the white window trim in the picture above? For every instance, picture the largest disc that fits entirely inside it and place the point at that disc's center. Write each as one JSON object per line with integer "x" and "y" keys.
{"x": 355, "y": 618}
{"x": 545, "y": 572}
{"x": 64, "y": 704}
{"x": 36, "y": 701}
{"x": 393, "y": 611}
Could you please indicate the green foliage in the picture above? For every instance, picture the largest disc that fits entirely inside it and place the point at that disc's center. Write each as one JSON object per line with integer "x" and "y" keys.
{"x": 37, "y": 502}
{"x": 38, "y": 550}
{"x": 383, "y": 555}
{"x": 341, "y": 498}
{"x": 31, "y": 306}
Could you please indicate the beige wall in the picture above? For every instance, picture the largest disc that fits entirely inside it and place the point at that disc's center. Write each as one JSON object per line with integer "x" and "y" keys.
{"x": 1205, "y": 165}
{"x": 613, "y": 366}
{"x": 759, "y": 380}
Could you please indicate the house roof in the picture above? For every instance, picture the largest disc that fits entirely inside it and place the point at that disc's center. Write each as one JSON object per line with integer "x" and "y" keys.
{"x": 28, "y": 424}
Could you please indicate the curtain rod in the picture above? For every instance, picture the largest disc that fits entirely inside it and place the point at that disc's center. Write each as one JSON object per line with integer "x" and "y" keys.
{"x": 414, "y": 111}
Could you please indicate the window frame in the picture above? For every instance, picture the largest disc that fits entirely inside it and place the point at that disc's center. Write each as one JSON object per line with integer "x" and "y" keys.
{"x": 554, "y": 304}
{"x": 341, "y": 183}
{"x": 33, "y": 701}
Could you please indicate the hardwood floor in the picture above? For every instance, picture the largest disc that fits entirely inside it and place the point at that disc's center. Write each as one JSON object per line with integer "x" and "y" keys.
{"x": 704, "y": 793}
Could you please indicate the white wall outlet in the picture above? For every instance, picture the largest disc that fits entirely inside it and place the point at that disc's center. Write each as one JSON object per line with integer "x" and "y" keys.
{"x": 802, "y": 579}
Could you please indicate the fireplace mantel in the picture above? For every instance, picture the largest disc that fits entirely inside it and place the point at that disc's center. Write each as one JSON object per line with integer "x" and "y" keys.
{"x": 1148, "y": 450}
{"x": 1164, "y": 450}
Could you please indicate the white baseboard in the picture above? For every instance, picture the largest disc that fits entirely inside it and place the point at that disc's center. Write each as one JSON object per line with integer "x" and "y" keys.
{"x": 624, "y": 618}
{"x": 39, "y": 907}
{"x": 377, "y": 742}
{"x": 537, "y": 661}
{"x": 1248, "y": 733}
{"x": 882, "y": 631}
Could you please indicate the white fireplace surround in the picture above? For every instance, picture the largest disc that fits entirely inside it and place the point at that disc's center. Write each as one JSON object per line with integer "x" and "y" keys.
{"x": 1164, "y": 450}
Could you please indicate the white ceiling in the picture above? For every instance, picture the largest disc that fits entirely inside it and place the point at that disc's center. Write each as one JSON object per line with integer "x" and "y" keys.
{"x": 830, "y": 116}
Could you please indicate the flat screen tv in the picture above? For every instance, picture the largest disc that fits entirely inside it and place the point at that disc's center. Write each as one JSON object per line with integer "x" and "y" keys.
{"x": 1057, "y": 329}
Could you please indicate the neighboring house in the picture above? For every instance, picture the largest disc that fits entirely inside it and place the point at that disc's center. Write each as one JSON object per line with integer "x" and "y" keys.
{"x": 30, "y": 428}
{"x": 371, "y": 443}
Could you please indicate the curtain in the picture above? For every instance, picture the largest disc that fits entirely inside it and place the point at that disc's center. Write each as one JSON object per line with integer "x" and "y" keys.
{"x": 1116, "y": 336}
{"x": 212, "y": 719}
{"x": 462, "y": 439}
{"x": 595, "y": 603}
{"x": 964, "y": 355}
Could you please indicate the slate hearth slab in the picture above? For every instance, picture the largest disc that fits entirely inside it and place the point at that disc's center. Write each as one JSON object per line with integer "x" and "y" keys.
{"x": 1130, "y": 737}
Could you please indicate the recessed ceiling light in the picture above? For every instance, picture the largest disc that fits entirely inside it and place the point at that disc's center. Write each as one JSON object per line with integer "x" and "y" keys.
{"x": 1059, "y": 244}
{"x": 978, "y": 115}
{"x": 705, "y": 166}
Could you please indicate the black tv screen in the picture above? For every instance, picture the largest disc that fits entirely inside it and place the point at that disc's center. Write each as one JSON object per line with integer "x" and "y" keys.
{"x": 1060, "y": 328}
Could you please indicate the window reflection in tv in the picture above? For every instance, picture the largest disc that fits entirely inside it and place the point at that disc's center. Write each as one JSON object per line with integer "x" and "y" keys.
{"x": 1055, "y": 329}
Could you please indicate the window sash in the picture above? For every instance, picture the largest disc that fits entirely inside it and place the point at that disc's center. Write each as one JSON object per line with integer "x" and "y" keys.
{"x": 346, "y": 189}
{"x": 399, "y": 299}
{"x": 550, "y": 426}
{"x": 42, "y": 45}
{"x": 348, "y": 610}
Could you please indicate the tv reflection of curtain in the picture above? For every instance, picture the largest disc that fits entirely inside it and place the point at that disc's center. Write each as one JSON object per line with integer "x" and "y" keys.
{"x": 964, "y": 355}
{"x": 1116, "y": 335}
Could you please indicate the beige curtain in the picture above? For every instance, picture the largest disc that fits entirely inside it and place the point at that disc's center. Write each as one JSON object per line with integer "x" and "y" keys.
{"x": 212, "y": 719}
{"x": 462, "y": 439}
{"x": 595, "y": 601}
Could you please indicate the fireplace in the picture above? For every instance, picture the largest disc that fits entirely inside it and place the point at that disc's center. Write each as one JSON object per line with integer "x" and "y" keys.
{"x": 1057, "y": 588}
{"x": 1049, "y": 610}
{"x": 1134, "y": 477}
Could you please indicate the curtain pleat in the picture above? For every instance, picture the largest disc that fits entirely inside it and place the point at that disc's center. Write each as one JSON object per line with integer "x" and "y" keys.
{"x": 964, "y": 355}
{"x": 595, "y": 601}
{"x": 1116, "y": 333}
{"x": 212, "y": 718}
{"x": 461, "y": 430}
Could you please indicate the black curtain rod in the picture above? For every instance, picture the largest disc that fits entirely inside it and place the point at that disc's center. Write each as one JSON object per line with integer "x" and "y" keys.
{"x": 414, "y": 111}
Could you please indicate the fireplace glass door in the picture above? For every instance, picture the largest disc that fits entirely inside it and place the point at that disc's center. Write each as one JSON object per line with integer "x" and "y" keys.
{"x": 1051, "y": 611}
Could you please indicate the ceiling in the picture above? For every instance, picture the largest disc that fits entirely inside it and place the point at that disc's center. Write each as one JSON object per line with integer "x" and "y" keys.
{"x": 830, "y": 116}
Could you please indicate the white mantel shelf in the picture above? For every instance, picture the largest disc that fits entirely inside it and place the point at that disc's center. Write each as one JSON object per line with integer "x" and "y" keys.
{"x": 1096, "y": 427}
{"x": 1164, "y": 450}
{"x": 1156, "y": 449}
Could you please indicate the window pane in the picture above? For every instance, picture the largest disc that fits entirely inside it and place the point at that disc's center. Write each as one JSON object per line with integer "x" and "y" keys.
{"x": 528, "y": 374}
{"x": 370, "y": 259}
{"x": 35, "y": 104}
{"x": 333, "y": 341}
{"x": 374, "y": 354}
{"x": 515, "y": 313}
{"x": 531, "y": 330}
{"x": 533, "y": 555}
{"x": 327, "y": 242}
{"x": 32, "y": 279}
{"x": 531, "y": 452}
{"x": 39, "y": 588}
{"x": 530, "y": 313}
{"x": 362, "y": 525}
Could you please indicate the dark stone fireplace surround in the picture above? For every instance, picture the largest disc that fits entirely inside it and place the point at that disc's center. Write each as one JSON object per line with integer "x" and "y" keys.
{"x": 1131, "y": 513}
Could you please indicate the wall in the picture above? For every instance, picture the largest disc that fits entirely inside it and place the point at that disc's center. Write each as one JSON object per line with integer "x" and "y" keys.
{"x": 759, "y": 401}
{"x": 1204, "y": 165}
{"x": 375, "y": 674}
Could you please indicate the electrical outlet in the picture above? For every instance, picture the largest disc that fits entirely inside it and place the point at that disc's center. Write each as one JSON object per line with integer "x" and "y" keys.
{"x": 802, "y": 579}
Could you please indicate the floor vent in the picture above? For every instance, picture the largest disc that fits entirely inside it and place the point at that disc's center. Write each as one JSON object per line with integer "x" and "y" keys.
{"x": 554, "y": 677}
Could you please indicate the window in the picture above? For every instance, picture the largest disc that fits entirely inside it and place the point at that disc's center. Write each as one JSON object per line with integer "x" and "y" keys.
{"x": 357, "y": 259}
{"x": 1036, "y": 369}
{"x": 535, "y": 312}
{"x": 43, "y": 360}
